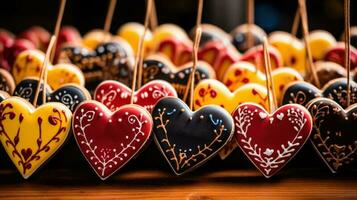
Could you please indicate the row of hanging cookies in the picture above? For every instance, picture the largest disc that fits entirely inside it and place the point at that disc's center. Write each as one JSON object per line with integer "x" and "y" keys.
{"x": 111, "y": 129}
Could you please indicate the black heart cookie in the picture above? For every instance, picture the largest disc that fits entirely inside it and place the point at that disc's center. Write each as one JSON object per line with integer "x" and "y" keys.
{"x": 334, "y": 134}
{"x": 70, "y": 95}
{"x": 7, "y": 83}
{"x": 327, "y": 71}
{"x": 177, "y": 76}
{"x": 188, "y": 139}
{"x": 240, "y": 36}
{"x": 302, "y": 92}
{"x": 109, "y": 60}
{"x": 26, "y": 89}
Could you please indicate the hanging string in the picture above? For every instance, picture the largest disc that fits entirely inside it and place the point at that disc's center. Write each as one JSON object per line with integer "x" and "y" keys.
{"x": 250, "y": 22}
{"x": 139, "y": 57}
{"x": 347, "y": 48}
{"x": 149, "y": 8}
{"x": 196, "y": 45}
{"x": 195, "y": 63}
{"x": 43, "y": 71}
{"x": 269, "y": 80}
{"x": 58, "y": 26}
{"x": 153, "y": 17}
{"x": 296, "y": 23}
{"x": 305, "y": 27}
{"x": 108, "y": 19}
{"x": 194, "y": 54}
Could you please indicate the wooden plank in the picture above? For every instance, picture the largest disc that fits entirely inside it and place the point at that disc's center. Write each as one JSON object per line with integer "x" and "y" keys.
{"x": 158, "y": 184}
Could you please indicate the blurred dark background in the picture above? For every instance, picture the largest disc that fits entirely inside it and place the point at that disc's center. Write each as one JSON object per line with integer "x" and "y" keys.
{"x": 17, "y": 15}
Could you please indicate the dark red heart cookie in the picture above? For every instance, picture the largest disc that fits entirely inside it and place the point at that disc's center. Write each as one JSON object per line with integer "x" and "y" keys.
{"x": 337, "y": 54}
{"x": 334, "y": 134}
{"x": 108, "y": 140}
{"x": 188, "y": 139}
{"x": 270, "y": 141}
{"x": 114, "y": 94}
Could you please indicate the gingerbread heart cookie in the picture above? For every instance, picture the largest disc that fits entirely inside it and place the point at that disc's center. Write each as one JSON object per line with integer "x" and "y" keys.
{"x": 255, "y": 56}
{"x": 210, "y": 32}
{"x": 334, "y": 135}
{"x": 114, "y": 94}
{"x": 158, "y": 68}
{"x": 213, "y": 92}
{"x": 270, "y": 141}
{"x": 108, "y": 61}
{"x": 336, "y": 90}
{"x": 219, "y": 55}
{"x": 29, "y": 64}
{"x": 132, "y": 32}
{"x": 179, "y": 52}
{"x": 337, "y": 54}
{"x": 32, "y": 135}
{"x": 241, "y": 73}
{"x": 240, "y": 36}
{"x": 327, "y": 71}
{"x": 320, "y": 41}
{"x": 108, "y": 140}
{"x": 188, "y": 139}
{"x": 291, "y": 49}
{"x": 70, "y": 95}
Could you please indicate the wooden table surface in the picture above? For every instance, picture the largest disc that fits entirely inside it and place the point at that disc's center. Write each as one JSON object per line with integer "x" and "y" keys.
{"x": 158, "y": 184}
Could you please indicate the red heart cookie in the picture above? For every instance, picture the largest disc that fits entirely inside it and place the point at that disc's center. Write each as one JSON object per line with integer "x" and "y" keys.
{"x": 108, "y": 140}
{"x": 271, "y": 140}
{"x": 114, "y": 94}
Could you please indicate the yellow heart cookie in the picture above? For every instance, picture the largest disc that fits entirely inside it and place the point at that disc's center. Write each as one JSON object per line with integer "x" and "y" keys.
{"x": 291, "y": 49}
{"x": 320, "y": 41}
{"x": 241, "y": 73}
{"x": 29, "y": 64}
{"x": 211, "y": 91}
{"x": 31, "y": 135}
{"x": 166, "y": 31}
{"x": 132, "y": 32}
{"x": 93, "y": 38}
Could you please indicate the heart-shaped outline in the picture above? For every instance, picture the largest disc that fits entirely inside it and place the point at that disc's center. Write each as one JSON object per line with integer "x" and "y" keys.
{"x": 178, "y": 51}
{"x": 334, "y": 89}
{"x": 255, "y": 56}
{"x": 107, "y": 112}
{"x": 157, "y": 67}
{"x": 243, "y": 120}
{"x": 29, "y": 91}
{"x": 319, "y": 41}
{"x": 179, "y": 169}
{"x": 101, "y": 95}
{"x": 241, "y": 73}
{"x": 31, "y": 62}
{"x": 109, "y": 60}
{"x": 219, "y": 55}
{"x": 336, "y": 54}
{"x": 67, "y": 114}
{"x": 320, "y": 100}
{"x": 291, "y": 49}
{"x": 233, "y": 99}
